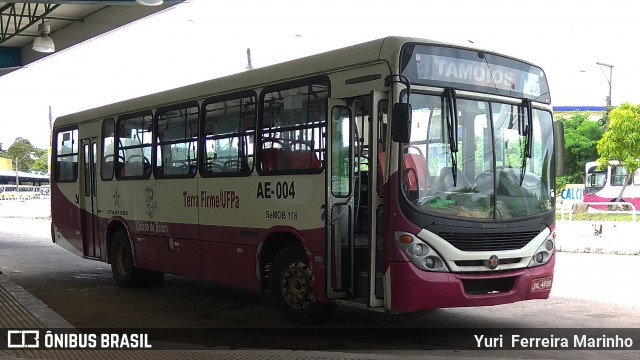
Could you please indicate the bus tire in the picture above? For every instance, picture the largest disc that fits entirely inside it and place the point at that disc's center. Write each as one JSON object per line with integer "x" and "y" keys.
{"x": 122, "y": 266}
{"x": 291, "y": 288}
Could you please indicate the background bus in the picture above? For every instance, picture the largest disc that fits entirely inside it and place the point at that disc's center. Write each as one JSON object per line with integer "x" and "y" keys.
{"x": 309, "y": 179}
{"x": 605, "y": 185}
{"x": 21, "y": 192}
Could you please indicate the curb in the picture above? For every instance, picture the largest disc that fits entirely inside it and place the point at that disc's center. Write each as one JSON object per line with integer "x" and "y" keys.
{"x": 47, "y": 317}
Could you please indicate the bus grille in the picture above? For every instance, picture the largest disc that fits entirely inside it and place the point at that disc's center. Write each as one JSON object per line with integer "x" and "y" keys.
{"x": 488, "y": 286}
{"x": 489, "y": 242}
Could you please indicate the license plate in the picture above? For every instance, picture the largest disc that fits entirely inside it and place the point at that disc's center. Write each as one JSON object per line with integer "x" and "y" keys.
{"x": 542, "y": 283}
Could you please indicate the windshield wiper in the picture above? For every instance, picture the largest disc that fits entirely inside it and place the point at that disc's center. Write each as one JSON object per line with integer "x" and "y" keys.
{"x": 528, "y": 134}
{"x": 452, "y": 127}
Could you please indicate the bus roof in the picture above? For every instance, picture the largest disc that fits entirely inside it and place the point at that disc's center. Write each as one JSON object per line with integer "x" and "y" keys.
{"x": 22, "y": 174}
{"x": 589, "y": 164}
{"x": 384, "y": 49}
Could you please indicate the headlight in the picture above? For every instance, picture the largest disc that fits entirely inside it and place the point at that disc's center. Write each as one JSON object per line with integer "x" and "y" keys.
{"x": 544, "y": 252}
{"x": 420, "y": 254}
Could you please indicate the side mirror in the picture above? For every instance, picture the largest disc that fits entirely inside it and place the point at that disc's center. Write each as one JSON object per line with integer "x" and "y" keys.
{"x": 401, "y": 123}
{"x": 558, "y": 144}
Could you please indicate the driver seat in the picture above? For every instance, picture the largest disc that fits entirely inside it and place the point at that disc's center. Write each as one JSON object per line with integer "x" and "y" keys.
{"x": 416, "y": 178}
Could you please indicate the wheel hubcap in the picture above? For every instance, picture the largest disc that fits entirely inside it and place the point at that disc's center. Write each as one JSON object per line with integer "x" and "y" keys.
{"x": 296, "y": 285}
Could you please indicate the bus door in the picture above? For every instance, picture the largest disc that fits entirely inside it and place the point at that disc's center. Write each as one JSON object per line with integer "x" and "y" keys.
{"x": 356, "y": 163}
{"x": 376, "y": 134}
{"x": 340, "y": 206}
{"x": 89, "y": 204}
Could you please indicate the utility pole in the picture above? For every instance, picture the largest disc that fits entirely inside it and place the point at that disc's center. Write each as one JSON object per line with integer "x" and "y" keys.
{"x": 249, "y": 65}
{"x": 608, "y": 99}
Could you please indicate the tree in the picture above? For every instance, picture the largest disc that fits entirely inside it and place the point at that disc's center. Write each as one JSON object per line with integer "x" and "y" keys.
{"x": 580, "y": 138}
{"x": 40, "y": 161}
{"x": 21, "y": 153}
{"x": 622, "y": 141}
{"x": 29, "y": 158}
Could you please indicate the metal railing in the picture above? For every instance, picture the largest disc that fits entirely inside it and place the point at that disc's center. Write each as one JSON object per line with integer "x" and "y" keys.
{"x": 608, "y": 204}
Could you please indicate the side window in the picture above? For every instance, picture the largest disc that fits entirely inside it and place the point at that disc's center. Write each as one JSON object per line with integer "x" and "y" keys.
{"x": 618, "y": 175}
{"x": 108, "y": 149}
{"x": 67, "y": 155}
{"x": 133, "y": 141}
{"x": 229, "y": 128}
{"x": 293, "y": 129}
{"x": 177, "y": 141}
{"x": 341, "y": 162}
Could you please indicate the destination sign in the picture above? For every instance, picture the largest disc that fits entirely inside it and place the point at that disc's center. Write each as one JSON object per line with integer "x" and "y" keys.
{"x": 475, "y": 71}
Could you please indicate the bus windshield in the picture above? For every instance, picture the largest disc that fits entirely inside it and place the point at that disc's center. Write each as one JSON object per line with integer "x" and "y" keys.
{"x": 499, "y": 166}
{"x": 595, "y": 180}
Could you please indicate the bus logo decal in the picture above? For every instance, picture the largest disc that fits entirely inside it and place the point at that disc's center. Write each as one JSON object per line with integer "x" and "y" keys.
{"x": 493, "y": 262}
{"x": 151, "y": 206}
{"x": 116, "y": 199}
{"x": 116, "y": 205}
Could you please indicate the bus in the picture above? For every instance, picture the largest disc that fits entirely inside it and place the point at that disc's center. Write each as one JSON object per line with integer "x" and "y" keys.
{"x": 605, "y": 185}
{"x": 9, "y": 177}
{"x": 20, "y": 192}
{"x": 396, "y": 175}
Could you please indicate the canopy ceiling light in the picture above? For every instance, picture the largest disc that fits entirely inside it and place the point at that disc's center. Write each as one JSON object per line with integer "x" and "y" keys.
{"x": 43, "y": 43}
{"x": 149, "y": 2}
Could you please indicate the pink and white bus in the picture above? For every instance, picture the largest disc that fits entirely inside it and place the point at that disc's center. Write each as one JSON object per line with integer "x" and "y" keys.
{"x": 605, "y": 185}
{"x": 399, "y": 174}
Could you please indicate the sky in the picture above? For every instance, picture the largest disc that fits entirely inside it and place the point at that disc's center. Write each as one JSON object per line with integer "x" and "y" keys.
{"x": 199, "y": 40}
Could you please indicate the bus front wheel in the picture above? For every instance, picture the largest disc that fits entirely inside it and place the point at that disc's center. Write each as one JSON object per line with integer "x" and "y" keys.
{"x": 291, "y": 288}
{"x": 122, "y": 267}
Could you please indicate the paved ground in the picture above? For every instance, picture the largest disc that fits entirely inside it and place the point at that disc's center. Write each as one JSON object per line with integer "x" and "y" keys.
{"x": 30, "y": 209}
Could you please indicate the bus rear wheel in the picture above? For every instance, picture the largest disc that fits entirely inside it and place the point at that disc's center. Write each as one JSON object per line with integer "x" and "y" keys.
{"x": 123, "y": 269}
{"x": 291, "y": 288}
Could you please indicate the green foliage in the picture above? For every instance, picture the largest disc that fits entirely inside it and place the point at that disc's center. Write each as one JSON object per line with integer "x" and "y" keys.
{"x": 40, "y": 162}
{"x": 21, "y": 153}
{"x": 28, "y": 157}
{"x": 622, "y": 140}
{"x": 580, "y": 138}
{"x": 562, "y": 181}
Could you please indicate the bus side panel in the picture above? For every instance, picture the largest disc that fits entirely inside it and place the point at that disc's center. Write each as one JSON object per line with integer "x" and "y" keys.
{"x": 232, "y": 262}
{"x": 187, "y": 255}
{"x": 173, "y": 254}
{"x": 65, "y": 215}
{"x": 316, "y": 239}
{"x": 159, "y": 244}
{"x": 152, "y": 253}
